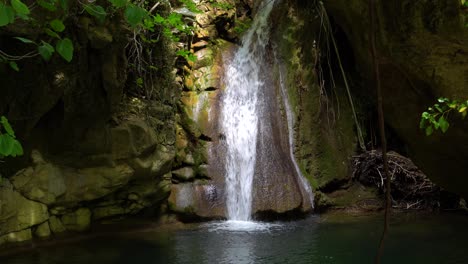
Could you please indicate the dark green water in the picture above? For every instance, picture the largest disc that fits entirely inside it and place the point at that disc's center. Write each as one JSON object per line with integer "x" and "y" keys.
{"x": 326, "y": 239}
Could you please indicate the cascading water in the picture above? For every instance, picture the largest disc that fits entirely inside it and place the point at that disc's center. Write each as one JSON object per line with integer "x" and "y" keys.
{"x": 306, "y": 188}
{"x": 240, "y": 118}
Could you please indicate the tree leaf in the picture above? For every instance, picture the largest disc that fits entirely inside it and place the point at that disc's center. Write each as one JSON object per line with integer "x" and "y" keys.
{"x": 14, "y": 66}
{"x": 443, "y": 124}
{"x": 46, "y": 50}
{"x": 25, "y": 40}
{"x": 6, "y": 144}
{"x": 422, "y": 123}
{"x": 429, "y": 130}
{"x": 463, "y": 109}
{"x": 17, "y": 149}
{"x": 64, "y": 47}
{"x": 6, "y": 125}
{"x": 97, "y": 11}
{"x": 57, "y": 25}
{"x": 7, "y": 14}
{"x": 47, "y": 5}
{"x": 134, "y": 15}
{"x": 20, "y": 7}
{"x": 51, "y": 33}
{"x": 119, "y": 3}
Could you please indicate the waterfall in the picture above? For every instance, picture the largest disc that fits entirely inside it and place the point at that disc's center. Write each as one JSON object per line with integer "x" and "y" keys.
{"x": 306, "y": 188}
{"x": 239, "y": 120}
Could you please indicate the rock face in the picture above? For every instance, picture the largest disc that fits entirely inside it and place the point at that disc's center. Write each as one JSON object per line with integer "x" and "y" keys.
{"x": 422, "y": 52}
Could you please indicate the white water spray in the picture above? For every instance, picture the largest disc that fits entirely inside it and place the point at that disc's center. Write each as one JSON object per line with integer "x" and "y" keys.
{"x": 240, "y": 118}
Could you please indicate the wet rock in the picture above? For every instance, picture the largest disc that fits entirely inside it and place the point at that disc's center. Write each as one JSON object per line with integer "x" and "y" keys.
{"x": 184, "y": 174}
{"x": 56, "y": 225}
{"x": 157, "y": 164}
{"x": 195, "y": 200}
{"x": 185, "y": 12}
{"x": 205, "y": 57}
{"x": 43, "y": 230}
{"x": 79, "y": 220}
{"x": 200, "y": 44}
{"x": 19, "y": 236}
{"x": 92, "y": 183}
{"x": 18, "y": 213}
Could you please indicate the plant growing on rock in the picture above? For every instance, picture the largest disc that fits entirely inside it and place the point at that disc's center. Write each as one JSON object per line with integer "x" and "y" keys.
{"x": 436, "y": 117}
{"x": 9, "y": 145}
{"x": 52, "y": 38}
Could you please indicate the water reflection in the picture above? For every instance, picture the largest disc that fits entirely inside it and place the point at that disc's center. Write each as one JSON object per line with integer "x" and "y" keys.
{"x": 342, "y": 240}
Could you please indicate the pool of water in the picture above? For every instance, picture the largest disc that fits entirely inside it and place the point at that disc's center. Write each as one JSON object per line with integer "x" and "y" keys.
{"x": 414, "y": 238}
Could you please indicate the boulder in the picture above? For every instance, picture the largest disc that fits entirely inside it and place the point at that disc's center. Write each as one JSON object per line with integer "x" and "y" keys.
{"x": 18, "y": 213}
{"x": 56, "y": 225}
{"x": 43, "y": 183}
{"x": 93, "y": 183}
{"x": 42, "y": 230}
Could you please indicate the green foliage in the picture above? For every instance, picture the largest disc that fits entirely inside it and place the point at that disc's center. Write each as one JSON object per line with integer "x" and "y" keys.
{"x": 64, "y": 47}
{"x": 242, "y": 26}
{"x": 191, "y": 6}
{"x": 9, "y": 145}
{"x": 436, "y": 117}
{"x": 135, "y": 15}
{"x": 222, "y": 6}
{"x": 188, "y": 55}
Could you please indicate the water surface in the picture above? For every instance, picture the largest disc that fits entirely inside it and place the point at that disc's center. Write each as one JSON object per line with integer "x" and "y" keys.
{"x": 326, "y": 239}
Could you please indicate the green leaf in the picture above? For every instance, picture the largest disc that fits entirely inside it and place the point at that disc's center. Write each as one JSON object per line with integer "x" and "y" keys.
{"x": 422, "y": 123}
{"x": 429, "y": 130}
{"x": 57, "y": 25}
{"x": 97, "y": 11}
{"x": 47, "y": 5}
{"x": 64, "y": 47}
{"x": 6, "y": 144}
{"x": 17, "y": 149}
{"x": 443, "y": 124}
{"x": 158, "y": 19}
{"x": 134, "y": 15}
{"x": 51, "y": 33}
{"x": 64, "y": 4}
{"x": 25, "y": 40}
{"x": 20, "y": 7}
{"x": 119, "y": 3}
{"x": 7, "y": 14}
{"x": 463, "y": 109}
{"x": 14, "y": 66}
{"x": 46, "y": 50}
{"x": 6, "y": 125}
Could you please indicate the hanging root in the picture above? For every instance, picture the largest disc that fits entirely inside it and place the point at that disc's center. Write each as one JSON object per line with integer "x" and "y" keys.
{"x": 326, "y": 26}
